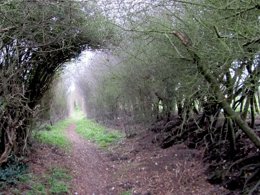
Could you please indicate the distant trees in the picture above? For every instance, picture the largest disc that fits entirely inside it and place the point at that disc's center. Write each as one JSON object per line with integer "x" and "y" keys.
{"x": 37, "y": 37}
{"x": 54, "y": 103}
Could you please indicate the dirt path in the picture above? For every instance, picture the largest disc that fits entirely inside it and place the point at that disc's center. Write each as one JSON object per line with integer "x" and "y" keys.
{"x": 136, "y": 166}
{"x": 90, "y": 171}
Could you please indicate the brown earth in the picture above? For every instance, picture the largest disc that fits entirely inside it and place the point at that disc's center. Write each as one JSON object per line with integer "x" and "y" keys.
{"x": 144, "y": 168}
{"x": 90, "y": 167}
{"x": 134, "y": 166}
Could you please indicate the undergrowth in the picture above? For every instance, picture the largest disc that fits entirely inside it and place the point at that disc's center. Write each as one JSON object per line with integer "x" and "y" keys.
{"x": 11, "y": 172}
{"x": 54, "y": 181}
{"x": 15, "y": 179}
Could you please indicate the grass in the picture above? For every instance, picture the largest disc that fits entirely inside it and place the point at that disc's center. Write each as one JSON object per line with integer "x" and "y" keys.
{"x": 88, "y": 129}
{"x": 58, "y": 181}
{"x": 54, "y": 135}
{"x": 55, "y": 181}
{"x": 95, "y": 132}
{"x": 126, "y": 193}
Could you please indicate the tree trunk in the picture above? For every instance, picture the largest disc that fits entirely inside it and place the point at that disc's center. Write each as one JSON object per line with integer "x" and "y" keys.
{"x": 224, "y": 104}
{"x": 204, "y": 71}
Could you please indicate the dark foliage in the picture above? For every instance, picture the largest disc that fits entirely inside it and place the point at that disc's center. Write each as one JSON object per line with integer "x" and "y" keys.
{"x": 11, "y": 171}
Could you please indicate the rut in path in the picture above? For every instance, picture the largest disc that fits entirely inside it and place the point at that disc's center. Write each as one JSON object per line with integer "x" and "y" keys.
{"x": 90, "y": 171}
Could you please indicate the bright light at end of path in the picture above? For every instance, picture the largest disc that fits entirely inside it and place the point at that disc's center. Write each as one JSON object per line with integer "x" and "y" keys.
{"x": 85, "y": 58}
{"x": 72, "y": 87}
{"x": 74, "y": 66}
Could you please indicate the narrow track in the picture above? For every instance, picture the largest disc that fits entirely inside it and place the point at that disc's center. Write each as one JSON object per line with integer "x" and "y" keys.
{"x": 90, "y": 171}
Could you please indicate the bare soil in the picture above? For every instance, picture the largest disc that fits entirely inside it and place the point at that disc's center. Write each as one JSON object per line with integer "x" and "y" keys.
{"x": 134, "y": 166}
{"x": 143, "y": 168}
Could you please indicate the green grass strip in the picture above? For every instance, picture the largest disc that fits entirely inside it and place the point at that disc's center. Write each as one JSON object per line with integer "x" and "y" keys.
{"x": 55, "y": 135}
{"x": 87, "y": 128}
{"x": 93, "y": 131}
{"x": 55, "y": 181}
